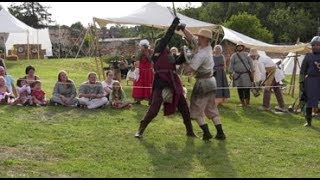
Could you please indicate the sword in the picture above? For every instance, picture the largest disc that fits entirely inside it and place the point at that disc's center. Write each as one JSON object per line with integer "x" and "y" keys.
{"x": 167, "y": 36}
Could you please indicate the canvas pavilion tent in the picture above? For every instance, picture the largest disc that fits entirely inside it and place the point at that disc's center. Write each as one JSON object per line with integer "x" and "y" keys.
{"x": 155, "y": 15}
{"x": 288, "y": 63}
{"x": 20, "y": 33}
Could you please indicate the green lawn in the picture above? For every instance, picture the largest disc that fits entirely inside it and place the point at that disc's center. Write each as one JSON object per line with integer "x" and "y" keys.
{"x": 70, "y": 142}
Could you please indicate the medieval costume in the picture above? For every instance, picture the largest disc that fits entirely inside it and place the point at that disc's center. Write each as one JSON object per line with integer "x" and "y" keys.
{"x": 166, "y": 89}
{"x": 310, "y": 79}
{"x": 142, "y": 86}
{"x": 241, "y": 70}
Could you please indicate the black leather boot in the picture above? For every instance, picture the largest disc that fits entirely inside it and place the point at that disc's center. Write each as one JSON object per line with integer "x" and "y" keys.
{"x": 139, "y": 133}
{"x": 220, "y": 135}
{"x": 243, "y": 103}
{"x": 308, "y": 116}
{"x": 308, "y": 124}
{"x": 189, "y": 128}
{"x": 206, "y": 133}
{"x": 247, "y": 101}
{"x": 191, "y": 134}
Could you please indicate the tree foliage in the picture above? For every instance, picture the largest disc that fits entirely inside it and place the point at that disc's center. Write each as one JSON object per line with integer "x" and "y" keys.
{"x": 287, "y": 21}
{"x": 32, "y": 13}
{"x": 250, "y": 25}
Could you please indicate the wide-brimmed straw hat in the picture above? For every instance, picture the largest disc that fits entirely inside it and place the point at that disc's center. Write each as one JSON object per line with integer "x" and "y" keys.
{"x": 205, "y": 33}
{"x": 240, "y": 44}
{"x": 253, "y": 52}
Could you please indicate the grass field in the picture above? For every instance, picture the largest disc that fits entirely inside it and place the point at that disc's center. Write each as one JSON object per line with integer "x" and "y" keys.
{"x": 70, "y": 142}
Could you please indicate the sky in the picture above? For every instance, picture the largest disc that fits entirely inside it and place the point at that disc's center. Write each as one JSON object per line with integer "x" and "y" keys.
{"x": 67, "y": 13}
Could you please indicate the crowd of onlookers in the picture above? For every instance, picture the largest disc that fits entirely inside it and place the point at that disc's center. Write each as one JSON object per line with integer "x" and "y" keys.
{"x": 92, "y": 94}
{"x": 139, "y": 69}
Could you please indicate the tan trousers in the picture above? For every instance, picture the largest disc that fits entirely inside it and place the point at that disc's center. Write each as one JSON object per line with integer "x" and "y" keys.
{"x": 270, "y": 72}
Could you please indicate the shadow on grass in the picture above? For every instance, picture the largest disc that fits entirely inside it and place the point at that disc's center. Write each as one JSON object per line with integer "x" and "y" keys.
{"x": 215, "y": 159}
{"x": 315, "y": 128}
{"x": 176, "y": 162}
{"x": 269, "y": 118}
{"x": 171, "y": 162}
{"x": 140, "y": 111}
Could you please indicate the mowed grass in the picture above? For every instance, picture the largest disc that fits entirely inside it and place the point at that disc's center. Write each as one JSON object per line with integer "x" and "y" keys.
{"x": 71, "y": 142}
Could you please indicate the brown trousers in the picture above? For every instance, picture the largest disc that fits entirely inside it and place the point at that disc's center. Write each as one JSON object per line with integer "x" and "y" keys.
{"x": 277, "y": 92}
{"x": 154, "y": 108}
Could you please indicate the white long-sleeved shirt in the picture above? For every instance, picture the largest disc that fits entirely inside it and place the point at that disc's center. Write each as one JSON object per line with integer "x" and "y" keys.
{"x": 266, "y": 62}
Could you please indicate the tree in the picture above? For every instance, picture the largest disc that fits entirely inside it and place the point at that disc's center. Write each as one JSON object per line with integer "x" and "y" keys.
{"x": 76, "y": 29}
{"x": 249, "y": 25}
{"x": 32, "y": 13}
{"x": 289, "y": 24}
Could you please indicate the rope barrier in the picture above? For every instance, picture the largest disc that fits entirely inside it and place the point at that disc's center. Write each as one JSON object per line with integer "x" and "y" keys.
{"x": 150, "y": 87}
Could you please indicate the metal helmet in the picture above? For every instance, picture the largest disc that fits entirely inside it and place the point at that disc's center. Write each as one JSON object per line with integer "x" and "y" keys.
{"x": 315, "y": 40}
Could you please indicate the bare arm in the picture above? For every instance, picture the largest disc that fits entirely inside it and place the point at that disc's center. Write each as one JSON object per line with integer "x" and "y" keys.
{"x": 188, "y": 35}
{"x": 14, "y": 90}
{"x": 187, "y": 69}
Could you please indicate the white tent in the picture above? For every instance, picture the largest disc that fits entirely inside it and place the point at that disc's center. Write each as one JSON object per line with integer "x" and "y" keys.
{"x": 11, "y": 24}
{"x": 153, "y": 14}
{"x": 249, "y": 42}
{"x": 19, "y": 33}
{"x": 288, "y": 63}
{"x": 37, "y": 36}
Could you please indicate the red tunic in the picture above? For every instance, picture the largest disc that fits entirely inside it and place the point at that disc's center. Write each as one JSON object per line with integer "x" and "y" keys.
{"x": 144, "y": 83}
{"x": 38, "y": 94}
{"x": 168, "y": 77}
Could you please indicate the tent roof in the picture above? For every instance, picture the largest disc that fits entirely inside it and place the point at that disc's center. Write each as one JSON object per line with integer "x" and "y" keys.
{"x": 10, "y": 24}
{"x": 288, "y": 63}
{"x": 153, "y": 14}
{"x": 249, "y": 42}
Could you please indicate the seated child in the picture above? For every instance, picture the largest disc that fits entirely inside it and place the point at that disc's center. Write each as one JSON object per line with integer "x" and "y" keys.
{"x": 38, "y": 95}
{"x": 133, "y": 73}
{"x": 5, "y": 95}
{"x": 118, "y": 97}
{"x": 24, "y": 93}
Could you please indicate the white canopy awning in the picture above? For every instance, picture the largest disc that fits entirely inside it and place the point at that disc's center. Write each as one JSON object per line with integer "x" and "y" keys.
{"x": 155, "y": 15}
{"x": 19, "y": 33}
{"x": 249, "y": 42}
{"x": 10, "y": 24}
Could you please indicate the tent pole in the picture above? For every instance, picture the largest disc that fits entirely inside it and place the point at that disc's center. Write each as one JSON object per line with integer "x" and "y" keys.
{"x": 217, "y": 38}
{"x": 97, "y": 52}
{"x": 82, "y": 43}
{"x": 5, "y": 48}
{"x": 38, "y": 43}
{"x": 293, "y": 76}
{"x": 74, "y": 44}
{"x": 59, "y": 42}
{"x": 152, "y": 34}
{"x": 28, "y": 46}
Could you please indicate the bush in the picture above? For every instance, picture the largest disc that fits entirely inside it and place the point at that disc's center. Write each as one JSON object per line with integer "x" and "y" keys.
{"x": 109, "y": 59}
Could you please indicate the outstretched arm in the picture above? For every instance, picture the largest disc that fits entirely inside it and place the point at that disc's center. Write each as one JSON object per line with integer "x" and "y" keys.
{"x": 165, "y": 39}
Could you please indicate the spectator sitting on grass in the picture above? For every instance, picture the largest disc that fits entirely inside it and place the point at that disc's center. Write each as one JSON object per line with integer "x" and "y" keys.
{"x": 64, "y": 92}
{"x": 38, "y": 95}
{"x": 118, "y": 97}
{"x": 91, "y": 93}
